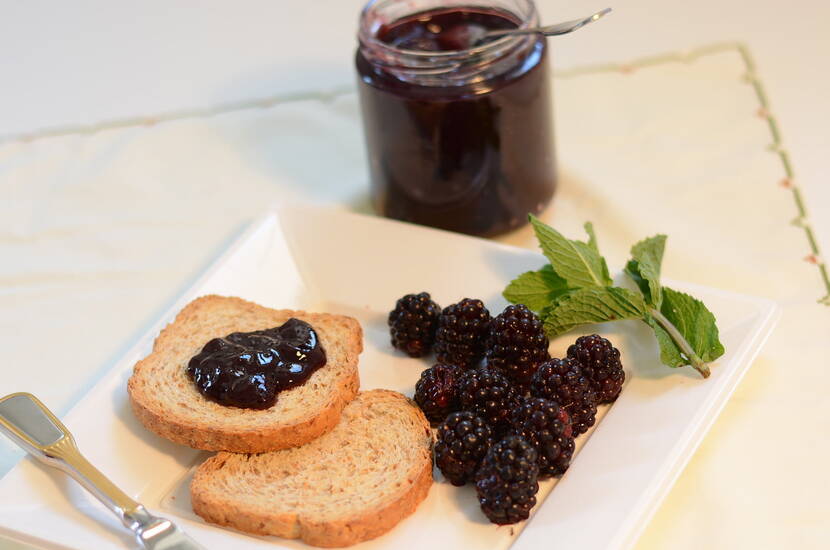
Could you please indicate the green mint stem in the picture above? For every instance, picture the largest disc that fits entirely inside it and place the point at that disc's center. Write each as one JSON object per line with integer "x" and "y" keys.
{"x": 681, "y": 342}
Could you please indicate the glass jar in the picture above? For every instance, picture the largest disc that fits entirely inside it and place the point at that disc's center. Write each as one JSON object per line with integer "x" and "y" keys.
{"x": 458, "y": 134}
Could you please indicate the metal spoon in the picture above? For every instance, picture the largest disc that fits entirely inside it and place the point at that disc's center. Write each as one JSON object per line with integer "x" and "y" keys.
{"x": 549, "y": 30}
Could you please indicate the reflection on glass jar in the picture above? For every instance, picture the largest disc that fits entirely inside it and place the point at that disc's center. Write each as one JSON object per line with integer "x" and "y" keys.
{"x": 458, "y": 129}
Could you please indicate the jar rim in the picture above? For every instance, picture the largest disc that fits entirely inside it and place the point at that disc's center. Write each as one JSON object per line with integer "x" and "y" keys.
{"x": 367, "y": 38}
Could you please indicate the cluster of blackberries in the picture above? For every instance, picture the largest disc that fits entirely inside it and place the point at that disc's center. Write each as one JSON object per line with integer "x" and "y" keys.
{"x": 507, "y": 413}
{"x": 463, "y": 334}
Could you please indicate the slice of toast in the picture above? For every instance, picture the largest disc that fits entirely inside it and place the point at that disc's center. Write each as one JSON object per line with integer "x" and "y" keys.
{"x": 350, "y": 485}
{"x": 167, "y": 402}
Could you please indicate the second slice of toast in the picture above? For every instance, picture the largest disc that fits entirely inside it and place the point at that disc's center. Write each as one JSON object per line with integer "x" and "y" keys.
{"x": 166, "y": 401}
{"x": 352, "y": 484}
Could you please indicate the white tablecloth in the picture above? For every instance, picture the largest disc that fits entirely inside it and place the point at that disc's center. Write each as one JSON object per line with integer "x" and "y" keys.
{"x": 100, "y": 231}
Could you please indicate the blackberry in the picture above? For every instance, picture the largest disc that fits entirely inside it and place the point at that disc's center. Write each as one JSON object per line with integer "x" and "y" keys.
{"x": 601, "y": 364}
{"x": 462, "y": 333}
{"x": 436, "y": 392}
{"x": 506, "y": 482}
{"x": 546, "y": 426}
{"x": 412, "y": 324}
{"x": 463, "y": 440}
{"x": 489, "y": 394}
{"x": 562, "y": 380}
{"x": 517, "y": 344}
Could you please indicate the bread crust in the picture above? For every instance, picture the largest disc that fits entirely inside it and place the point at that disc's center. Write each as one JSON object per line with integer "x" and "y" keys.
{"x": 358, "y": 526}
{"x": 158, "y": 417}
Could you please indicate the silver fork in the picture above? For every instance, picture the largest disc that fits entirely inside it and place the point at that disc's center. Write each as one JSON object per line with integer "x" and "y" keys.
{"x": 31, "y": 425}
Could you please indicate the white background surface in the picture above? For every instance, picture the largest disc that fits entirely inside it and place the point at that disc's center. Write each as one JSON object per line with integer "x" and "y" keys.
{"x": 89, "y": 62}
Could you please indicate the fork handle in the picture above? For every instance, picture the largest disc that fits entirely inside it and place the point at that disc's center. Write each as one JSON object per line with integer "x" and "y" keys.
{"x": 30, "y": 424}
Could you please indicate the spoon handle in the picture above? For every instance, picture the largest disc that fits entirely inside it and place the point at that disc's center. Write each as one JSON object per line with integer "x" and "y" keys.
{"x": 553, "y": 30}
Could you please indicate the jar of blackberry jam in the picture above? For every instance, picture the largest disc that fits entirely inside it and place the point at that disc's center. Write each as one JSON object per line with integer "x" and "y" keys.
{"x": 458, "y": 129}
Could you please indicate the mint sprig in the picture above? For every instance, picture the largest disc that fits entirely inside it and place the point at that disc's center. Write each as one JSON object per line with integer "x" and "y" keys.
{"x": 576, "y": 289}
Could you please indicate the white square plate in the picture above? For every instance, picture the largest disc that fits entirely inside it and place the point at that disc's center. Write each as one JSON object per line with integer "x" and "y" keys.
{"x": 357, "y": 265}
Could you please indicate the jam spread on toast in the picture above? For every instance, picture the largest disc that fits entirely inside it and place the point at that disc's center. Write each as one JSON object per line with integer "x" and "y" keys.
{"x": 249, "y": 369}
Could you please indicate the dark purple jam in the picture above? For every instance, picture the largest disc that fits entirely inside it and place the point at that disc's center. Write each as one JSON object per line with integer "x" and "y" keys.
{"x": 444, "y": 30}
{"x": 474, "y": 158}
{"x": 249, "y": 369}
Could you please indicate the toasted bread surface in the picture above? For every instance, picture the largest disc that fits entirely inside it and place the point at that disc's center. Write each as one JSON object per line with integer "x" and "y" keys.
{"x": 350, "y": 485}
{"x": 167, "y": 402}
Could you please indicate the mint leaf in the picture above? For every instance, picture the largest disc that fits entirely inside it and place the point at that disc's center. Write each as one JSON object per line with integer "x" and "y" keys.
{"x": 694, "y": 321}
{"x": 536, "y": 289}
{"x": 592, "y": 238}
{"x": 592, "y": 305}
{"x": 644, "y": 268}
{"x": 592, "y": 242}
{"x": 686, "y": 332}
{"x": 578, "y": 263}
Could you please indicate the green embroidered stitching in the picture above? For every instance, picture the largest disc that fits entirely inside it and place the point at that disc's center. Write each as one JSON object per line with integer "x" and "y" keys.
{"x": 261, "y": 103}
{"x": 802, "y": 220}
{"x": 687, "y": 56}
